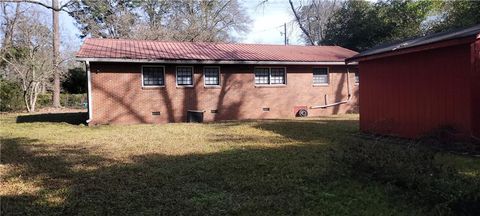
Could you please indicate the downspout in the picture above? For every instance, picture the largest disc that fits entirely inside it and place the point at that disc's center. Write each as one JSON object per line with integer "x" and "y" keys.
{"x": 340, "y": 102}
{"x": 89, "y": 91}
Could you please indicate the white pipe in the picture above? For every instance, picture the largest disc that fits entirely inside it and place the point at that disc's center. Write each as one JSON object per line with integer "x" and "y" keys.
{"x": 341, "y": 102}
{"x": 89, "y": 91}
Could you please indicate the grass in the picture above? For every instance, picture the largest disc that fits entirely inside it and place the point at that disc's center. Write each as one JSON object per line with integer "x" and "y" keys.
{"x": 272, "y": 167}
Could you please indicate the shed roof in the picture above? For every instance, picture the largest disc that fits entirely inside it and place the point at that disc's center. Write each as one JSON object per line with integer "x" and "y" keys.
{"x": 143, "y": 50}
{"x": 473, "y": 32}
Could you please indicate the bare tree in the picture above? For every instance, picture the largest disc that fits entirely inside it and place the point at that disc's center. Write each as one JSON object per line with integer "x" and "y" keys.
{"x": 28, "y": 57}
{"x": 312, "y": 17}
{"x": 8, "y": 22}
{"x": 187, "y": 20}
{"x": 211, "y": 21}
{"x": 56, "y": 8}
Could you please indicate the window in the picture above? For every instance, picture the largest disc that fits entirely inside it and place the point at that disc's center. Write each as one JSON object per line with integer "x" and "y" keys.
{"x": 211, "y": 75}
{"x": 357, "y": 78}
{"x": 320, "y": 76}
{"x": 277, "y": 76}
{"x": 184, "y": 76}
{"x": 153, "y": 75}
{"x": 269, "y": 76}
{"x": 262, "y": 76}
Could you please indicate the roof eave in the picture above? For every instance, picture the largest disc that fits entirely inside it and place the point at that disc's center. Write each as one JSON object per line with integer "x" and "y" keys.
{"x": 423, "y": 47}
{"x": 160, "y": 61}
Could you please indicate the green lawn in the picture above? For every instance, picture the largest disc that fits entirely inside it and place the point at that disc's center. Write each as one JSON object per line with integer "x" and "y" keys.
{"x": 277, "y": 167}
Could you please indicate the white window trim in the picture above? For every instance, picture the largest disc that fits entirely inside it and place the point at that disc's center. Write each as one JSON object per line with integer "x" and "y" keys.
{"x": 355, "y": 78}
{"x": 270, "y": 77}
{"x": 176, "y": 76}
{"x": 219, "y": 77}
{"x": 153, "y": 86}
{"x": 321, "y": 84}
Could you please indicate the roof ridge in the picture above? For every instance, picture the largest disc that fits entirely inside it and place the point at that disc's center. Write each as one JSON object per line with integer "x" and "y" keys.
{"x": 204, "y": 42}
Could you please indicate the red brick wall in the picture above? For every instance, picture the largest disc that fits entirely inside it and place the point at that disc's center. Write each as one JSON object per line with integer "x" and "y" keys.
{"x": 118, "y": 96}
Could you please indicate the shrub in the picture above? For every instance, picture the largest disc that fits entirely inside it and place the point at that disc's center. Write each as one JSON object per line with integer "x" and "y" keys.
{"x": 76, "y": 81}
{"x": 73, "y": 100}
{"x": 66, "y": 100}
{"x": 44, "y": 100}
{"x": 413, "y": 169}
{"x": 11, "y": 96}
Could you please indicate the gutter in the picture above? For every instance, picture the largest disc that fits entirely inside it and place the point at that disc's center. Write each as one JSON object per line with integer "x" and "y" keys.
{"x": 340, "y": 102}
{"x": 89, "y": 91}
{"x": 159, "y": 61}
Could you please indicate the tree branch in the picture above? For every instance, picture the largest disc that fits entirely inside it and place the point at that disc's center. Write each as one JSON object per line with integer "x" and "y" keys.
{"x": 297, "y": 17}
{"x": 41, "y": 4}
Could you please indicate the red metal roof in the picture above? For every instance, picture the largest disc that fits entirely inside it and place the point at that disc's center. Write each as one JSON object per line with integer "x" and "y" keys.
{"x": 202, "y": 51}
{"x": 401, "y": 47}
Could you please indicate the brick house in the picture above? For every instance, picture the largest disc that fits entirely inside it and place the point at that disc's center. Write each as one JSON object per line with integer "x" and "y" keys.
{"x": 134, "y": 81}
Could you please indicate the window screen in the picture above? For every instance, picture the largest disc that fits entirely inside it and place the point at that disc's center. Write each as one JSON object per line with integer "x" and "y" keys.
{"x": 153, "y": 76}
{"x": 357, "y": 78}
{"x": 262, "y": 76}
{"x": 184, "y": 76}
{"x": 320, "y": 76}
{"x": 277, "y": 76}
{"x": 212, "y": 75}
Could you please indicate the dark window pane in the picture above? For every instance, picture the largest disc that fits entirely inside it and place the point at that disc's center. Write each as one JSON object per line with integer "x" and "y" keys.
{"x": 184, "y": 76}
{"x": 357, "y": 78}
{"x": 320, "y": 76}
{"x": 212, "y": 76}
{"x": 277, "y": 76}
{"x": 153, "y": 76}
{"x": 262, "y": 76}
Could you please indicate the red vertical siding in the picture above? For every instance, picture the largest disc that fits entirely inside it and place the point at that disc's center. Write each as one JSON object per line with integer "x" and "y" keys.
{"x": 411, "y": 94}
{"x": 476, "y": 89}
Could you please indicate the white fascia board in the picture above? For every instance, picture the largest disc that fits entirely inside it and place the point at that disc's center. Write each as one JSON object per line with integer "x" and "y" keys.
{"x": 210, "y": 61}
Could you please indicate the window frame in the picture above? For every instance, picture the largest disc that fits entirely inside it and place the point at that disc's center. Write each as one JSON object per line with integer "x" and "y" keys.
{"x": 321, "y": 84}
{"x": 176, "y": 76}
{"x": 152, "y": 86}
{"x": 355, "y": 75}
{"x": 270, "y": 76}
{"x": 219, "y": 77}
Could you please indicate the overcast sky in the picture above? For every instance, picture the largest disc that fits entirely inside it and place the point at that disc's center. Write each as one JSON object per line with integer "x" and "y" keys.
{"x": 268, "y": 20}
{"x": 266, "y": 27}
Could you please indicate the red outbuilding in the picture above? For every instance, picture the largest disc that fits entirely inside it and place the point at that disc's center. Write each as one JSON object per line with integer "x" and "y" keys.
{"x": 414, "y": 87}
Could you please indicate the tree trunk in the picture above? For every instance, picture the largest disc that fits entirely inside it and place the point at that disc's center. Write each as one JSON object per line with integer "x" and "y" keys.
{"x": 25, "y": 99}
{"x": 35, "y": 95}
{"x": 56, "y": 47}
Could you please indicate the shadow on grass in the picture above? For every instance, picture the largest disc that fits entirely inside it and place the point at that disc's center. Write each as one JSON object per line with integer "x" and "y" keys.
{"x": 70, "y": 118}
{"x": 310, "y": 130}
{"x": 250, "y": 181}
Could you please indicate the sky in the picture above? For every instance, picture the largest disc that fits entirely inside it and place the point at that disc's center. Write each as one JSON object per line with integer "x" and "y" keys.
{"x": 266, "y": 27}
{"x": 268, "y": 20}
